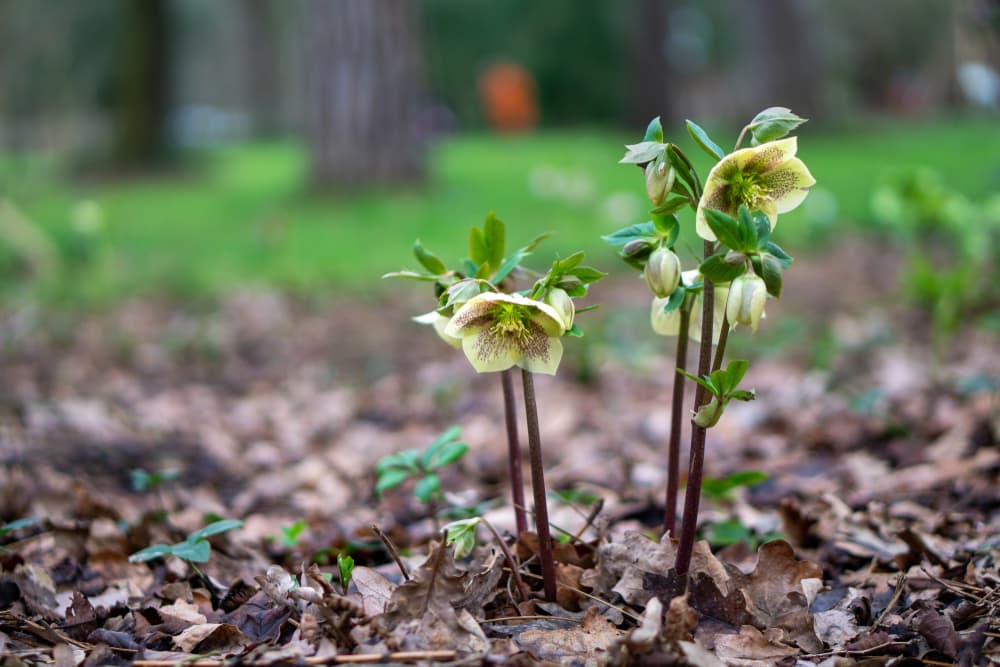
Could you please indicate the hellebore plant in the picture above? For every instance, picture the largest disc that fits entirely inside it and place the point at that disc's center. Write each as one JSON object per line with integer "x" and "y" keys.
{"x": 498, "y": 328}
{"x": 735, "y": 212}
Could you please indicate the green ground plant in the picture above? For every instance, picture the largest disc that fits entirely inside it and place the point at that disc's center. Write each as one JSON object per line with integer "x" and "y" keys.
{"x": 421, "y": 466}
{"x": 194, "y": 549}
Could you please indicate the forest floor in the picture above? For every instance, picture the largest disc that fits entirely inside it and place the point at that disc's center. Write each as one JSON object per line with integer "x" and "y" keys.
{"x": 883, "y": 481}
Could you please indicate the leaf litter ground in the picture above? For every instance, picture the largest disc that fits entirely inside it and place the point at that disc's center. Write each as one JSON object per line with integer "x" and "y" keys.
{"x": 883, "y": 482}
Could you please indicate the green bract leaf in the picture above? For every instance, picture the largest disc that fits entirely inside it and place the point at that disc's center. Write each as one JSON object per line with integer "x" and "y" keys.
{"x": 588, "y": 274}
{"x": 771, "y": 274}
{"x": 574, "y": 331}
{"x": 773, "y": 123}
{"x": 495, "y": 237}
{"x": 763, "y": 224}
{"x": 671, "y": 206}
{"x": 427, "y": 488}
{"x": 675, "y": 300}
{"x": 685, "y": 172}
{"x": 149, "y": 553}
{"x": 518, "y": 256}
{"x": 568, "y": 264}
{"x": 429, "y": 260}
{"x": 717, "y": 269}
{"x": 704, "y": 382}
{"x": 748, "y": 231}
{"x": 196, "y": 552}
{"x": 725, "y": 227}
{"x": 390, "y": 479}
{"x": 783, "y": 257}
{"x": 215, "y": 528}
{"x": 643, "y": 152}
{"x": 478, "y": 250}
{"x": 734, "y": 373}
{"x": 702, "y": 139}
{"x": 654, "y": 131}
{"x": 743, "y": 394}
{"x": 644, "y": 231}
{"x": 709, "y": 414}
{"x": 411, "y": 275}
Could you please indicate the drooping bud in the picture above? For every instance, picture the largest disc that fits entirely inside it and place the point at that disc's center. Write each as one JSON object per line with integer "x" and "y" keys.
{"x": 635, "y": 247}
{"x": 663, "y": 272}
{"x": 563, "y": 304}
{"x": 659, "y": 181}
{"x": 664, "y": 323}
{"x": 747, "y": 296}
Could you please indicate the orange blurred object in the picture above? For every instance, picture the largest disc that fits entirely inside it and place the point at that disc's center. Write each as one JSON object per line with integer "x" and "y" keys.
{"x": 509, "y": 97}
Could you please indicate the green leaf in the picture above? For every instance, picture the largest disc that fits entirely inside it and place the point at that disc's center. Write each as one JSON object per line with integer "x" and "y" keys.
{"x": 518, "y": 256}
{"x": 427, "y": 488}
{"x": 774, "y": 249}
{"x": 449, "y": 436}
{"x": 345, "y": 568}
{"x": 462, "y": 534}
{"x": 643, "y": 231}
{"x": 478, "y": 250}
{"x": 735, "y": 371}
{"x": 643, "y": 152}
{"x": 654, "y": 131}
{"x": 704, "y": 382}
{"x": 773, "y": 123}
{"x": 588, "y": 274}
{"x": 568, "y": 264}
{"x": 149, "y": 553}
{"x": 18, "y": 524}
{"x": 196, "y": 552}
{"x": 772, "y": 274}
{"x": 290, "y": 534}
{"x": 670, "y": 206}
{"x": 411, "y": 275}
{"x": 702, "y": 139}
{"x": 763, "y": 224}
{"x": 429, "y": 260}
{"x": 725, "y": 227}
{"x": 449, "y": 453}
{"x": 747, "y": 231}
{"x": 685, "y": 172}
{"x": 728, "y": 532}
{"x": 720, "y": 487}
{"x": 390, "y": 479}
{"x": 575, "y": 331}
{"x": 676, "y": 299}
{"x": 215, "y": 528}
{"x": 406, "y": 459}
{"x": 718, "y": 270}
{"x": 743, "y": 394}
{"x": 495, "y": 237}
{"x": 709, "y": 414}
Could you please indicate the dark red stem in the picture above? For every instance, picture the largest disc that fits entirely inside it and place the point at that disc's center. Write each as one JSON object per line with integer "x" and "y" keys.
{"x": 696, "y": 465}
{"x": 676, "y": 415}
{"x": 514, "y": 452}
{"x": 538, "y": 489}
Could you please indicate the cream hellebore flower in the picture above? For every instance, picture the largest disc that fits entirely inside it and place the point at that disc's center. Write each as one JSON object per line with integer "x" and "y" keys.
{"x": 767, "y": 178}
{"x": 747, "y": 296}
{"x": 439, "y": 322}
{"x": 669, "y": 324}
{"x": 563, "y": 304}
{"x": 503, "y": 330}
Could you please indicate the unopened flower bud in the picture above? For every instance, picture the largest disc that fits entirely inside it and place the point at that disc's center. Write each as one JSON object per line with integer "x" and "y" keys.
{"x": 747, "y": 296}
{"x": 563, "y": 304}
{"x": 634, "y": 247}
{"x": 664, "y": 323}
{"x": 663, "y": 272}
{"x": 659, "y": 181}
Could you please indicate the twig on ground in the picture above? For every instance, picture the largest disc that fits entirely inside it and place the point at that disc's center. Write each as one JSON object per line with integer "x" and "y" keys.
{"x": 393, "y": 553}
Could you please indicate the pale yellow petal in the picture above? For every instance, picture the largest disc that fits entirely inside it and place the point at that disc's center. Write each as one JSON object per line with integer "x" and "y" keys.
{"x": 664, "y": 324}
{"x": 789, "y": 184}
{"x": 701, "y": 225}
{"x": 548, "y": 318}
{"x": 470, "y": 316}
{"x": 546, "y": 362}
{"x": 440, "y": 326}
{"x": 770, "y": 209}
{"x": 486, "y": 351}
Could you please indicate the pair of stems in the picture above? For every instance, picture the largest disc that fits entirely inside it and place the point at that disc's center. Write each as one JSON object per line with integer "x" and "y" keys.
{"x": 537, "y": 474}
{"x": 696, "y": 463}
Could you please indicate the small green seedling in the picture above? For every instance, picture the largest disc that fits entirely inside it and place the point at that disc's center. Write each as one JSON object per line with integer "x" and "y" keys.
{"x": 290, "y": 534}
{"x": 720, "y": 489}
{"x": 722, "y": 387}
{"x": 345, "y": 567}
{"x": 143, "y": 480}
{"x": 194, "y": 549}
{"x": 463, "y": 535}
{"x": 732, "y": 531}
{"x": 395, "y": 469}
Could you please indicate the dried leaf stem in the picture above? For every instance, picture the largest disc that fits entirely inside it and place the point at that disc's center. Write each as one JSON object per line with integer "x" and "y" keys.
{"x": 393, "y": 552}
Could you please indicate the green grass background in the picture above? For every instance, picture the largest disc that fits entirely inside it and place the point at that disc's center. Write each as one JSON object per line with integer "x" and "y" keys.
{"x": 241, "y": 215}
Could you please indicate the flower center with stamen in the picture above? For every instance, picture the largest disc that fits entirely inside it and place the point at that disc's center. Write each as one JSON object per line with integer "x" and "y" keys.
{"x": 510, "y": 321}
{"x": 744, "y": 190}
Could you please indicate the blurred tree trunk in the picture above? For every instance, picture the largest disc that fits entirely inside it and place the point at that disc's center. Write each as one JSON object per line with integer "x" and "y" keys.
{"x": 784, "y": 55}
{"x": 650, "y": 86}
{"x": 261, "y": 65}
{"x": 143, "y": 82}
{"x": 364, "y": 85}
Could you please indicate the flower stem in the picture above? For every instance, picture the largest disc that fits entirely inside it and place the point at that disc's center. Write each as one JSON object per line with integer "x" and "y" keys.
{"x": 696, "y": 465}
{"x": 538, "y": 488}
{"x": 676, "y": 410}
{"x": 720, "y": 350}
{"x": 514, "y": 451}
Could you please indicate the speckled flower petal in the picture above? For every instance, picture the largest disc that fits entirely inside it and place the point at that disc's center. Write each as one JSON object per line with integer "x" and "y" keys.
{"x": 487, "y": 352}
